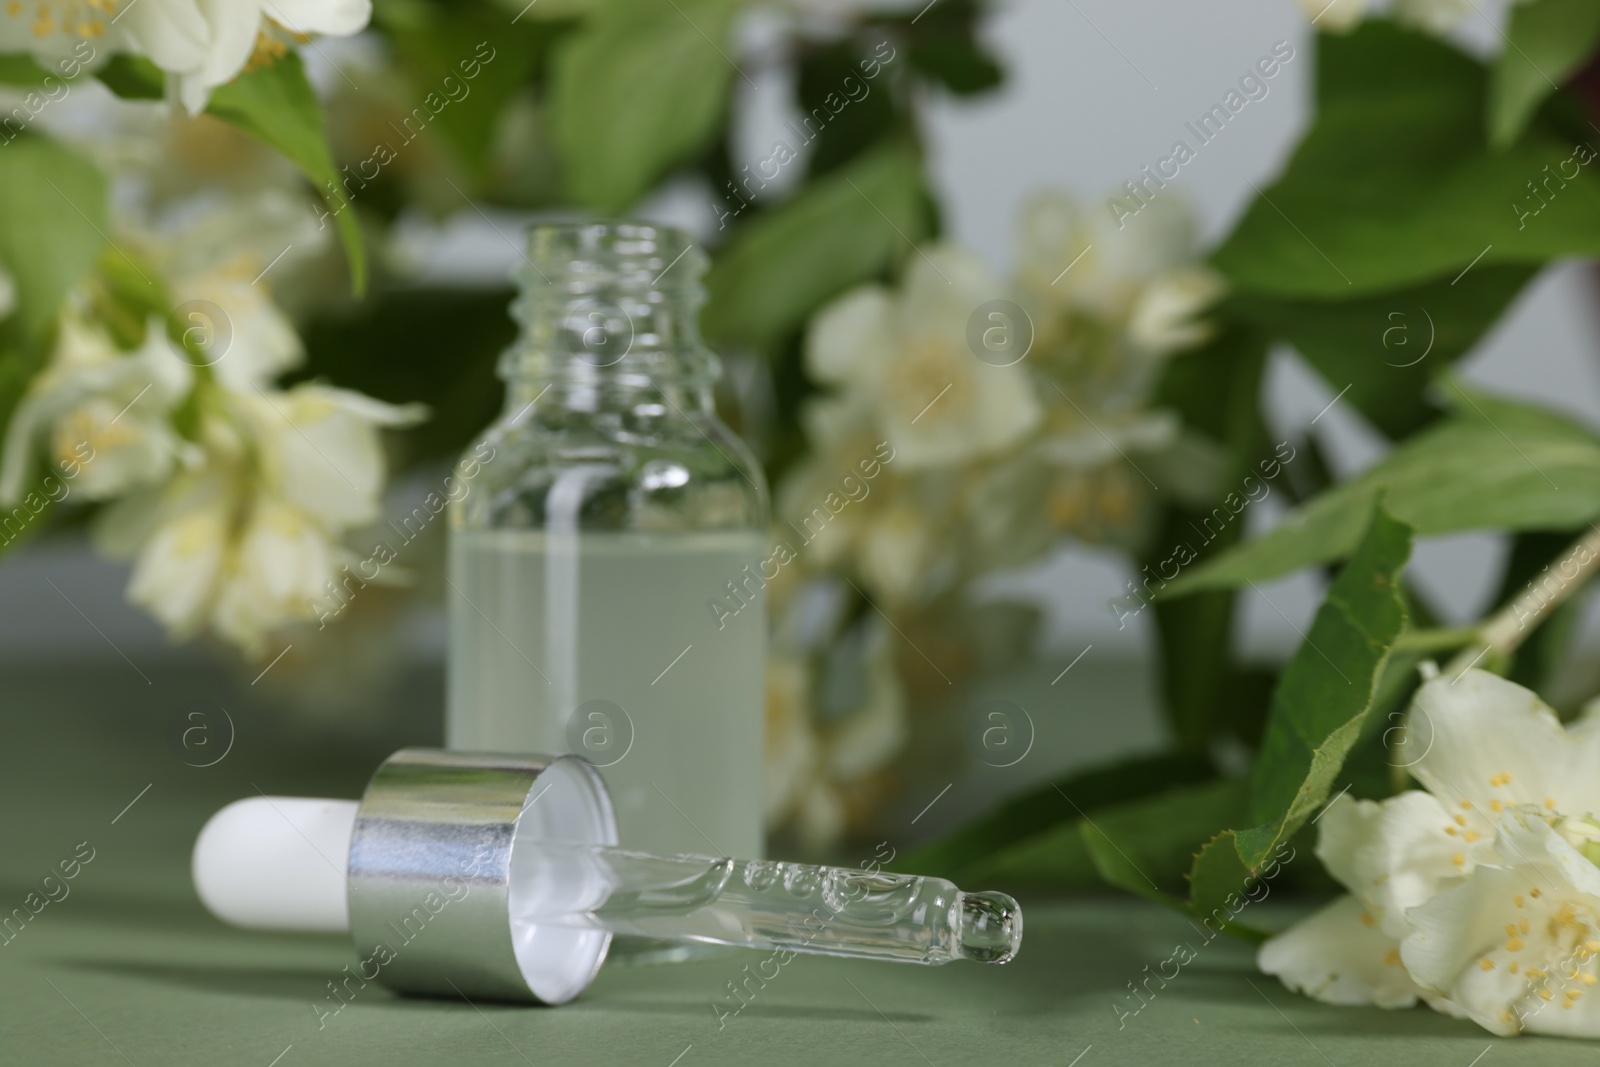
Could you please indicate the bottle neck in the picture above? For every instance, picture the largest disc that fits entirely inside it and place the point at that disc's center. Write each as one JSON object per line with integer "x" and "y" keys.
{"x": 608, "y": 309}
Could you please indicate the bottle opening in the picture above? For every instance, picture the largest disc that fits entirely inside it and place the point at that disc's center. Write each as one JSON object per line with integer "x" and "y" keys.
{"x": 611, "y": 254}
{"x": 607, "y": 299}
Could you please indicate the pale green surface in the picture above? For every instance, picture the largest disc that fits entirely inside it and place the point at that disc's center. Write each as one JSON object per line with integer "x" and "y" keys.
{"x": 166, "y": 985}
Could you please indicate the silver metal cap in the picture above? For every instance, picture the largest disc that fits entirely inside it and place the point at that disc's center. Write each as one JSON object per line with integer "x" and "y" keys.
{"x": 436, "y": 904}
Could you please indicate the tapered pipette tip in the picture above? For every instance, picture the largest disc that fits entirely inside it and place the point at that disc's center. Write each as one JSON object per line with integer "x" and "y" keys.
{"x": 991, "y": 928}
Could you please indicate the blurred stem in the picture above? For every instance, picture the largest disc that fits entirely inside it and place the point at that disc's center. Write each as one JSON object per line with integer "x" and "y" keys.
{"x": 1503, "y": 632}
{"x": 1435, "y": 640}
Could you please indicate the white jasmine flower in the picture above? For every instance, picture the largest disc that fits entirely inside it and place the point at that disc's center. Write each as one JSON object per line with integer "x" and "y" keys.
{"x": 181, "y": 535}
{"x": 218, "y": 267}
{"x": 1071, "y": 257}
{"x": 171, "y": 33}
{"x": 898, "y": 551}
{"x": 1479, "y": 895}
{"x": 901, "y": 362}
{"x": 1354, "y": 962}
{"x": 1164, "y": 318}
{"x": 200, "y": 44}
{"x": 1111, "y": 291}
{"x": 281, "y": 562}
{"x": 243, "y": 30}
{"x": 248, "y": 544}
{"x": 321, "y": 451}
{"x": 103, "y": 412}
{"x": 1516, "y": 947}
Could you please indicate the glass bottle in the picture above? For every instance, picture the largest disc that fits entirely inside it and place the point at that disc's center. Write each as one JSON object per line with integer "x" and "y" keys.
{"x": 605, "y": 596}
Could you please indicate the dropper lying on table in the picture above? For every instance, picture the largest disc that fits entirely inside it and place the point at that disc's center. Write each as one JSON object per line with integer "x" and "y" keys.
{"x": 499, "y": 876}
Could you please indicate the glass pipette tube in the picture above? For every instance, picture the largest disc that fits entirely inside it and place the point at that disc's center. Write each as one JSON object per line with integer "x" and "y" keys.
{"x": 765, "y": 904}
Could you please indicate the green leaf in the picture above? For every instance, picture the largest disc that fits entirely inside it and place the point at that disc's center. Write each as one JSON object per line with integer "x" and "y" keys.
{"x": 1147, "y": 847}
{"x": 1144, "y": 845}
{"x": 1039, "y": 812}
{"x": 943, "y": 45}
{"x": 643, "y": 86}
{"x": 132, "y": 77}
{"x": 52, "y": 224}
{"x": 1387, "y": 349}
{"x": 21, "y": 69}
{"x": 844, "y": 229}
{"x": 276, "y": 105}
{"x": 1494, "y": 464}
{"x": 843, "y": 113}
{"x": 472, "y": 63}
{"x": 1332, "y": 679}
{"x": 1215, "y": 389}
{"x": 1318, "y": 711}
{"x": 1547, "y": 41}
{"x": 1218, "y": 878}
{"x": 1394, "y": 185}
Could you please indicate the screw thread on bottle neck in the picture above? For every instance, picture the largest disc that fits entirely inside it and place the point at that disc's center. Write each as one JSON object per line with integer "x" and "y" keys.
{"x": 609, "y": 302}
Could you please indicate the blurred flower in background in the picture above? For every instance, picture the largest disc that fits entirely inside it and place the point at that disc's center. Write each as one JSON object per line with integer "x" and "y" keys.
{"x": 232, "y": 496}
{"x": 935, "y": 462}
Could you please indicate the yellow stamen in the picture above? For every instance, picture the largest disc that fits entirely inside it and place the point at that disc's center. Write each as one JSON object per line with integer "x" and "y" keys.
{"x": 1497, "y": 804}
{"x": 1517, "y": 900}
{"x": 1486, "y": 964}
{"x": 1469, "y": 835}
{"x": 1550, "y": 802}
{"x": 268, "y": 50}
{"x": 1514, "y": 944}
{"x": 1366, "y": 920}
{"x": 1500, "y": 779}
{"x": 1458, "y": 859}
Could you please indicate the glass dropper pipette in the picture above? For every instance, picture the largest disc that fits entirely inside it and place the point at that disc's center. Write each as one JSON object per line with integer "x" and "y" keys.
{"x": 499, "y": 876}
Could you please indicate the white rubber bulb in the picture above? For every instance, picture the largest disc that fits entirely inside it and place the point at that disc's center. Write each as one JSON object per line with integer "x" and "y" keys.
{"x": 277, "y": 863}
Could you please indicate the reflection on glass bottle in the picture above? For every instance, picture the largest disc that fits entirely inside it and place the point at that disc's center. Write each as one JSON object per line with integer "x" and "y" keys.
{"x": 611, "y": 521}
